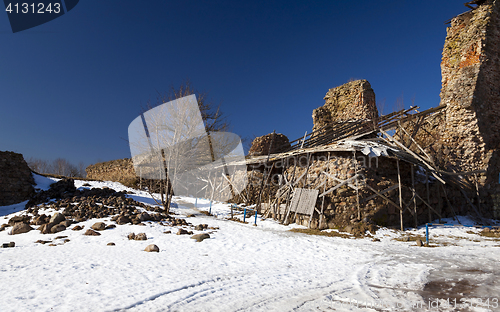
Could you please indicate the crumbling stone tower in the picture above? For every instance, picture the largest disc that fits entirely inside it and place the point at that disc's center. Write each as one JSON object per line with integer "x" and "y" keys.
{"x": 470, "y": 67}
{"x": 354, "y": 100}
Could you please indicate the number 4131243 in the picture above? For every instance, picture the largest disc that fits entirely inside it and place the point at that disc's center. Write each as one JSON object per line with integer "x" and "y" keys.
{"x": 37, "y": 8}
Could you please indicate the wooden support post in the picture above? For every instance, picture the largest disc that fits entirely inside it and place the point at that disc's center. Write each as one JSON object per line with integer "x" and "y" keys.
{"x": 357, "y": 185}
{"x": 324, "y": 189}
{"x": 428, "y": 194}
{"x": 257, "y": 207}
{"x": 477, "y": 192}
{"x": 382, "y": 196}
{"x": 305, "y": 182}
{"x": 289, "y": 193}
{"x": 303, "y": 141}
{"x": 269, "y": 190}
{"x": 400, "y": 198}
{"x": 449, "y": 204}
{"x": 473, "y": 207}
{"x": 414, "y": 197}
{"x": 440, "y": 202}
{"x": 428, "y": 206}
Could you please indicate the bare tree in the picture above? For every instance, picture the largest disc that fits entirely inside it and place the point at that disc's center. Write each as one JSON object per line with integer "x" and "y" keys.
{"x": 72, "y": 171}
{"x": 39, "y": 165}
{"x": 212, "y": 116}
{"x": 82, "y": 173}
{"x": 180, "y": 139}
{"x": 60, "y": 166}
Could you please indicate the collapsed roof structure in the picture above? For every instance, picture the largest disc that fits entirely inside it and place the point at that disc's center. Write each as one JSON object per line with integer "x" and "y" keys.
{"x": 430, "y": 164}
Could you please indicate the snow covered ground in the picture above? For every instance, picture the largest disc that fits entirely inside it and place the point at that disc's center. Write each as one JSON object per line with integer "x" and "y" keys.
{"x": 244, "y": 268}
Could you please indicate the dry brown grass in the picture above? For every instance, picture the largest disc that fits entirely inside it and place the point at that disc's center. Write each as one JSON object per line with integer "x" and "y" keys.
{"x": 490, "y": 234}
{"x": 57, "y": 176}
{"x": 237, "y": 220}
{"x": 321, "y": 233}
{"x": 411, "y": 238}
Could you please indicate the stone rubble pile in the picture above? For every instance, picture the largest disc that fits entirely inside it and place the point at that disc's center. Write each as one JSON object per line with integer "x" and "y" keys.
{"x": 74, "y": 206}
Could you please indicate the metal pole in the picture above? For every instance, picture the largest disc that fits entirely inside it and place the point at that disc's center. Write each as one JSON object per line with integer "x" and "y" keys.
{"x": 210, "y": 209}
{"x": 245, "y": 214}
{"x": 255, "y": 216}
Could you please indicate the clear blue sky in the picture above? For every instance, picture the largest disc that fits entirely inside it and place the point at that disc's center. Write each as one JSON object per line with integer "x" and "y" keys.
{"x": 69, "y": 88}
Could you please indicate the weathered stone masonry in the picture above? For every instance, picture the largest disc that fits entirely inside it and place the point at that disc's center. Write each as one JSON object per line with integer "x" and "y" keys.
{"x": 120, "y": 170}
{"x": 470, "y": 70}
{"x": 16, "y": 180}
{"x": 354, "y": 100}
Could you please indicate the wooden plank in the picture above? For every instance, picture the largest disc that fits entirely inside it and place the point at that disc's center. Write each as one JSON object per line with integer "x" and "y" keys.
{"x": 307, "y": 201}
{"x": 295, "y": 200}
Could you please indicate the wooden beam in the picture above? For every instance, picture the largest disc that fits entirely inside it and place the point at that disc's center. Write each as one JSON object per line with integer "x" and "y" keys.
{"x": 400, "y": 198}
{"x": 341, "y": 181}
{"x": 470, "y": 203}
{"x": 390, "y": 138}
{"x": 338, "y": 186}
{"x": 323, "y": 199}
{"x": 395, "y": 186}
{"x": 414, "y": 193}
{"x": 449, "y": 204}
{"x": 357, "y": 186}
{"x": 287, "y": 207}
{"x": 428, "y": 205}
{"x": 428, "y": 193}
{"x": 387, "y": 199}
{"x": 419, "y": 147}
{"x": 477, "y": 192}
{"x": 416, "y": 127}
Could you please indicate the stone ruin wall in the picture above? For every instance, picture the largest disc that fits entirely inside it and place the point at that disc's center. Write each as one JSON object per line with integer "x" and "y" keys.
{"x": 16, "y": 180}
{"x": 470, "y": 127}
{"x": 260, "y": 145}
{"x": 465, "y": 137}
{"x": 340, "y": 206}
{"x": 119, "y": 170}
{"x": 354, "y": 100}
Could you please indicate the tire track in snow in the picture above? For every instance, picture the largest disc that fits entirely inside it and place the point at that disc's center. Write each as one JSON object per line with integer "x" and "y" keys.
{"x": 154, "y": 297}
{"x": 244, "y": 292}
